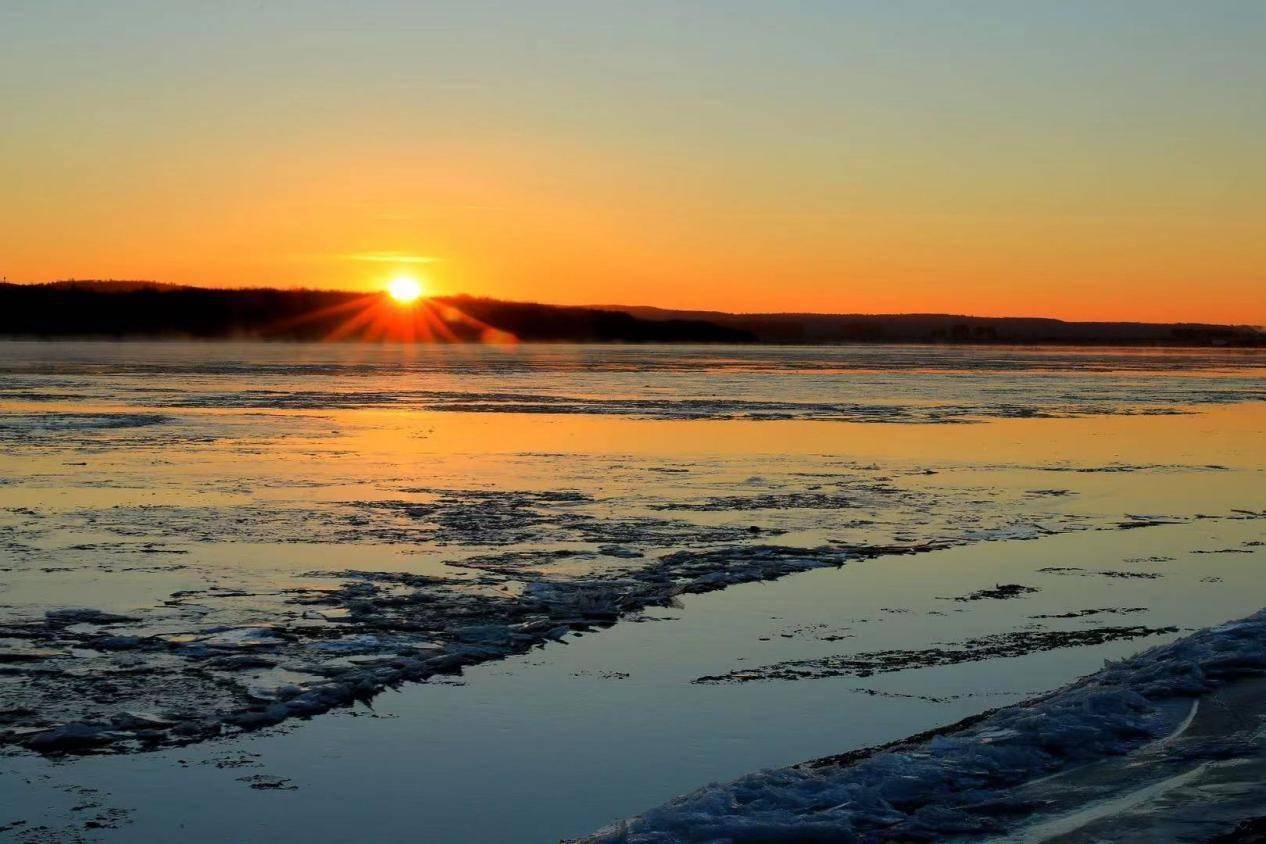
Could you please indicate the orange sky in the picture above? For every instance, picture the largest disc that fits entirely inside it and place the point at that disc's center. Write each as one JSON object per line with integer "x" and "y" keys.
{"x": 1079, "y": 162}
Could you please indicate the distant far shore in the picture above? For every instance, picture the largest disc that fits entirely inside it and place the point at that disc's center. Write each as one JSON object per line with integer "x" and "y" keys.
{"x": 145, "y": 310}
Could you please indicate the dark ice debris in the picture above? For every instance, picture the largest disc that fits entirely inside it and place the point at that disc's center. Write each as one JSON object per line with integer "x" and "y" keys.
{"x": 1084, "y": 613}
{"x": 267, "y": 782}
{"x": 998, "y": 646}
{"x": 999, "y": 592}
{"x": 1120, "y": 575}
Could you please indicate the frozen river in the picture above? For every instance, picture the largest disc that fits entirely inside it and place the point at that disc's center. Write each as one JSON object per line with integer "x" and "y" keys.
{"x": 810, "y": 550}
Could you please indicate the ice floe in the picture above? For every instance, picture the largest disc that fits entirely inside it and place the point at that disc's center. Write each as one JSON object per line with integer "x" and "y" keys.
{"x": 987, "y": 775}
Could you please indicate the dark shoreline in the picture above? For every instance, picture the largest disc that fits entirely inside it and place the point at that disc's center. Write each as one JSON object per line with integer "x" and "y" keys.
{"x": 146, "y": 311}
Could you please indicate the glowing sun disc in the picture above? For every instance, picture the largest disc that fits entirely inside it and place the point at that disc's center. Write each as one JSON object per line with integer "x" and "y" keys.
{"x": 404, "y": 289}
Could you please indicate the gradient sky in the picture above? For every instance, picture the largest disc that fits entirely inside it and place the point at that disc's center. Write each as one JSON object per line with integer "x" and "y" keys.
{"x": 1076, "y": 159}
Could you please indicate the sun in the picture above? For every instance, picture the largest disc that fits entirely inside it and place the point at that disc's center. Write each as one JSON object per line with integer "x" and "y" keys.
{"x": 405, "y": 289}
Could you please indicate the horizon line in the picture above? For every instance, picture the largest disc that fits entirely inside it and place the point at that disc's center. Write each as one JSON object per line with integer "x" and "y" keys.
{"x": 684, "y": 312}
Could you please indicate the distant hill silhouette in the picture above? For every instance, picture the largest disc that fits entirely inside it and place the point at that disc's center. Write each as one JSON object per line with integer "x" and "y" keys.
{"x": 953, "y": 328}
{"x": 107, "y": 308}
{"x": 149, "y": 309}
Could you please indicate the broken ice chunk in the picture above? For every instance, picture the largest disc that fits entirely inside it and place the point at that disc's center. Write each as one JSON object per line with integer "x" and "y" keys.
{"x": 242, "y": 637}
{"x": 351, "y": 644}
{"x": 83, "y": 615}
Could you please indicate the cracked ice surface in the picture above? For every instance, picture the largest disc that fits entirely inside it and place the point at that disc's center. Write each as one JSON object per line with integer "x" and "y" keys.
{"x": 244, "y": 646}
{"x": 198, "y": 540}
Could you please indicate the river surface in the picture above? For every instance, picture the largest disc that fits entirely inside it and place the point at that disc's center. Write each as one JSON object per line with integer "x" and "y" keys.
{"x": 809, "y": 550}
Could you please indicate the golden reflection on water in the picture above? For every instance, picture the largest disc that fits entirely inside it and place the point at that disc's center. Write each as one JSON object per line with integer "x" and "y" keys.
{"x": 359, "y": 450}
